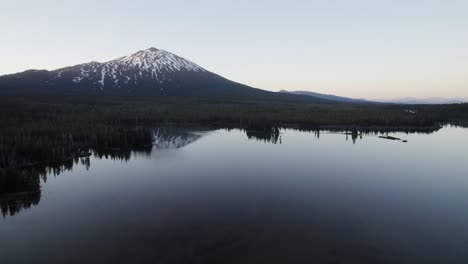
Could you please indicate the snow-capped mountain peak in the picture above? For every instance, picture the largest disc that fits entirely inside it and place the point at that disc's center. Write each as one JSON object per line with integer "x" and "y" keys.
{"x": 157, "y": 59}
{"x": 134, "y": 69}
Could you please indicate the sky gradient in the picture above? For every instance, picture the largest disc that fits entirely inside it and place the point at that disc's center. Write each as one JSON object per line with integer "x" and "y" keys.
{"x": 362, "y": 49}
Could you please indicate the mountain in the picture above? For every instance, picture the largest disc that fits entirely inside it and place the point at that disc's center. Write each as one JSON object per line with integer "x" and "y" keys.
{"x": 152, "y": 71}
{"x": 408, "y": 100}
{"x": 327, "y": 97}
{"x": 431, "y": 100}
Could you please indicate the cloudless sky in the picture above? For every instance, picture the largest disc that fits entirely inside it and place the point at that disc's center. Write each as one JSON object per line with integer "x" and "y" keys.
{"x": 363, "y": 48}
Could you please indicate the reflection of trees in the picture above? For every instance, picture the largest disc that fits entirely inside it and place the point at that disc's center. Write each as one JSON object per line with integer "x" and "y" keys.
{"x": 14, "y": 203}
{"x": 354, "y": 135}
{"x": 358, "y": 132}
{"x": 270, "y": 134}
{"x": 20, "y": 184}
{"x": 20, "y": 188}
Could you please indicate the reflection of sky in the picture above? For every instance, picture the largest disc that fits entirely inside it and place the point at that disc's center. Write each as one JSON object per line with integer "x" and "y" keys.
{"x": 363, "y": 48}
{"x": 376, "y": 195}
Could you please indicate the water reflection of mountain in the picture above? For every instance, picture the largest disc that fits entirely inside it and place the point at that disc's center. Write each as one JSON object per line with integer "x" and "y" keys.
{"x": 174, "y": 138}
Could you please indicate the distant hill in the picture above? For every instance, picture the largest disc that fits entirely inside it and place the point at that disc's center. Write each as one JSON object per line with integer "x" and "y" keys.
{"x": 408, "y": 100}
{"x": 327, "y": 97}
{"x": 430, "y": 101}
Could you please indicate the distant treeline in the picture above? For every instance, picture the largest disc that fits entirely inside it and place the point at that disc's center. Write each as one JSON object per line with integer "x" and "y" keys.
{"x": 136, "y": 109}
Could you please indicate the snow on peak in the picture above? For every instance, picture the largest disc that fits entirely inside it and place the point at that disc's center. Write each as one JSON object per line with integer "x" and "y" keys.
{"x": 157, "y": 60}
{"x": 151, "y": 63}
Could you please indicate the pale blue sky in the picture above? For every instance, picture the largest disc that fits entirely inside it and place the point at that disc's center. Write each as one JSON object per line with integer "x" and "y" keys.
{"x": 363, "y": 48}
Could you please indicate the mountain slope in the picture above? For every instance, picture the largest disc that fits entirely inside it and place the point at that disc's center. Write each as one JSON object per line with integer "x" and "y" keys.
{"x": 327, "y": 97}
{"x": 152, "y": 72}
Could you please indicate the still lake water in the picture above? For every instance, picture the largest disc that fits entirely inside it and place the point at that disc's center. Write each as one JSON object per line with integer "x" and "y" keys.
{"x": 220, "y": 197}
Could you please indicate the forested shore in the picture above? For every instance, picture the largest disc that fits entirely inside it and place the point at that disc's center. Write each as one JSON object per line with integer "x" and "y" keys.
{"x": 38, "y": 131}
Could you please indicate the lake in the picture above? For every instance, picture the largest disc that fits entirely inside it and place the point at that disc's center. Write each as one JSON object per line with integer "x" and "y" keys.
{"x": 227, "y": 196}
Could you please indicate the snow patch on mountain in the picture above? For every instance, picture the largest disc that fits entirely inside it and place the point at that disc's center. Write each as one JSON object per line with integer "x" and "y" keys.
{"x": 151, "y": 63}
{"x": 156, "y": 60}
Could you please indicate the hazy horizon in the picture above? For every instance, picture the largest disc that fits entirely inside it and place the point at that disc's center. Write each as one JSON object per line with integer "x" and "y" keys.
{"x": 362, "y": 49}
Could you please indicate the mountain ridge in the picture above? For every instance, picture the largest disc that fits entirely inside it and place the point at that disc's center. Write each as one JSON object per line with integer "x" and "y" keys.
{"x": 427, "y": 101}
{"x": 403, "y": 101}
{"x": 327, "y": 96}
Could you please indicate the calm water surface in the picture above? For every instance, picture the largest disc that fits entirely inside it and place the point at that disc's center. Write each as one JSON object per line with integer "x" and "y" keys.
{"x": 222, "y": 197}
